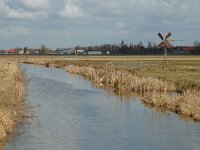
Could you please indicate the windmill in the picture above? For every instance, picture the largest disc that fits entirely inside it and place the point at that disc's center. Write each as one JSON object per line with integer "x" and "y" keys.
{"x": 165, "y": 44}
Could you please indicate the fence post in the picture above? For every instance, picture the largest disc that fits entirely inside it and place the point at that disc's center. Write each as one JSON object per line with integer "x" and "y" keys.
{"x": 157, "y": 65}
{"x": 142, "y": 65}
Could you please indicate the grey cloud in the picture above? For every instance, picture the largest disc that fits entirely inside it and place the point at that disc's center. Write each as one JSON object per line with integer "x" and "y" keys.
{"x": 70, "y": 22}
{"x": 36, "y": 4}
{"x": 71, "y": 10}
{"x": 14, "y": 10}
{"x": 11, "y": 31}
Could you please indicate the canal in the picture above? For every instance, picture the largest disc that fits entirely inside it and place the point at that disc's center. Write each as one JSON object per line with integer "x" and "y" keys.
{"x": 70, "y": 113}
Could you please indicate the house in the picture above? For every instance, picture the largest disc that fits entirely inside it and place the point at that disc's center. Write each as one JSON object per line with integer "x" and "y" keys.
{"x": 33, "y": 51}
{"x": 185, "y": 49}
{"x": 12, "y": 51}
{"x": 20, "y": 50}
{"x": 94, "y": 52}
{"x": 188, "y": 48}
{"x": 80, "y": 51}
{"x": 66, "y": 51}
{"x": 2, "y": 52}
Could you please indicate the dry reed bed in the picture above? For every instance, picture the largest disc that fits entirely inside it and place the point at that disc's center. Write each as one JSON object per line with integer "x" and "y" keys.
{"x": 11, "y": 98}
{"x": 155, "y": 91}
{"x": 121, "y": 81}
{"x": 186, "y": 104}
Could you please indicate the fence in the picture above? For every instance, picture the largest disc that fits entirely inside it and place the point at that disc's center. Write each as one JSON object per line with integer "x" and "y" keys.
{"x": 136, "y": 64}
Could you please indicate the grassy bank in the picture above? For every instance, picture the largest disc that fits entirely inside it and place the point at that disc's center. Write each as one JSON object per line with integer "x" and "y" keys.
{"x": 185, "y": 74}
{"x": 144, "y": 76}
{"x": 11, "y": 97}
{"x": 155, "y": 92}
{"x": 121, "y": 80}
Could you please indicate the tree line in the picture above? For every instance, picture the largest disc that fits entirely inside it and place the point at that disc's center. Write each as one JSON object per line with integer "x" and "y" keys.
{"x": 140, "y": 49}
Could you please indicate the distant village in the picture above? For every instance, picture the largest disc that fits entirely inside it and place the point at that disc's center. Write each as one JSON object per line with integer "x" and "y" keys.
{"x": 106, "y": 49}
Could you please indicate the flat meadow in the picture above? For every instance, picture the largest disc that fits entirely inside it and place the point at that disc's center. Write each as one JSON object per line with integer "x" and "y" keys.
{"x": 145, "y": 75}
{"x": 183, "y": 70}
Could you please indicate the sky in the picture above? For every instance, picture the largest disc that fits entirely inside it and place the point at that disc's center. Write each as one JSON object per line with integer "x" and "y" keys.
{"x": 68, "y": 23}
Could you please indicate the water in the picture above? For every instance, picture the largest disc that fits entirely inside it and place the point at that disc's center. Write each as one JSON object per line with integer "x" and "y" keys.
{"x": 71, "y": 114}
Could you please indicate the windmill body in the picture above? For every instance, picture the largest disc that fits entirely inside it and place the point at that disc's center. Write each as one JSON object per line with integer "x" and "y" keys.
{"x": 165, "y": 44}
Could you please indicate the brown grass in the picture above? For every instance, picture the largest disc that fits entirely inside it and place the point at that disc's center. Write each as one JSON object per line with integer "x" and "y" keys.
{"x": 121, "y": 80}
{"x": 186, "y": 104}
{"x": 11, "y": 97}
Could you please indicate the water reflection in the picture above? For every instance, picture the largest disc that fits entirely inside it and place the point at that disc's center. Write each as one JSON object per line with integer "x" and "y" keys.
{"x": 72, "y": 114}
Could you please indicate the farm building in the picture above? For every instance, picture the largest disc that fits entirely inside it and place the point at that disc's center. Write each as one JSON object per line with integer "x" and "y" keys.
{"x": 12, "y": 51}
{"x": 66, "y": 51}
{"x": 94, "y": 52}
{"x": 80, "y": 51}
{"x": 185, "y": 49}
{"x": 2, "y": 52}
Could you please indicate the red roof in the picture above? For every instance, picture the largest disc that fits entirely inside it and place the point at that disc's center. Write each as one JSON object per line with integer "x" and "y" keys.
{"x": 188, "y": 48}
{"x": 12, "y": 51}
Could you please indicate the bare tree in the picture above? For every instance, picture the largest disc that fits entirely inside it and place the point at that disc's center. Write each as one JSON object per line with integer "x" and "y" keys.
{"x": 197, "y": 47}
{"x": 44, "y": 50}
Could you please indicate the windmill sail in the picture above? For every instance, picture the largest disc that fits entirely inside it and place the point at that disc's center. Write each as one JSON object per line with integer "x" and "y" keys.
{"x": 165, "y": 43}
{"x": 160, "y": 35}
{"x": 168, "y": 35}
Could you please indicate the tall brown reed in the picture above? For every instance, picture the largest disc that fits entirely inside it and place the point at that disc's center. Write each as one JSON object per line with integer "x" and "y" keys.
{"x": 11, "y": 100}
{"x": 120, "y": 80}
{"x": 186, "y": 104}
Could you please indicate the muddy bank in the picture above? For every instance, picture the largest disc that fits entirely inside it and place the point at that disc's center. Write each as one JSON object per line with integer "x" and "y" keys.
{"x": 11, "y": 98}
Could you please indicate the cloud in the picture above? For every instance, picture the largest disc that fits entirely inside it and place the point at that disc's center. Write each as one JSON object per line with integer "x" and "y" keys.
{"x": 85, "y": 21}
{"x": 71, "y": 10}
{"x": 12, "y": 31}
{"x": 15, "y": 10}
{"x": 36, "y": 4}
{"x": 20, "y": 14}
